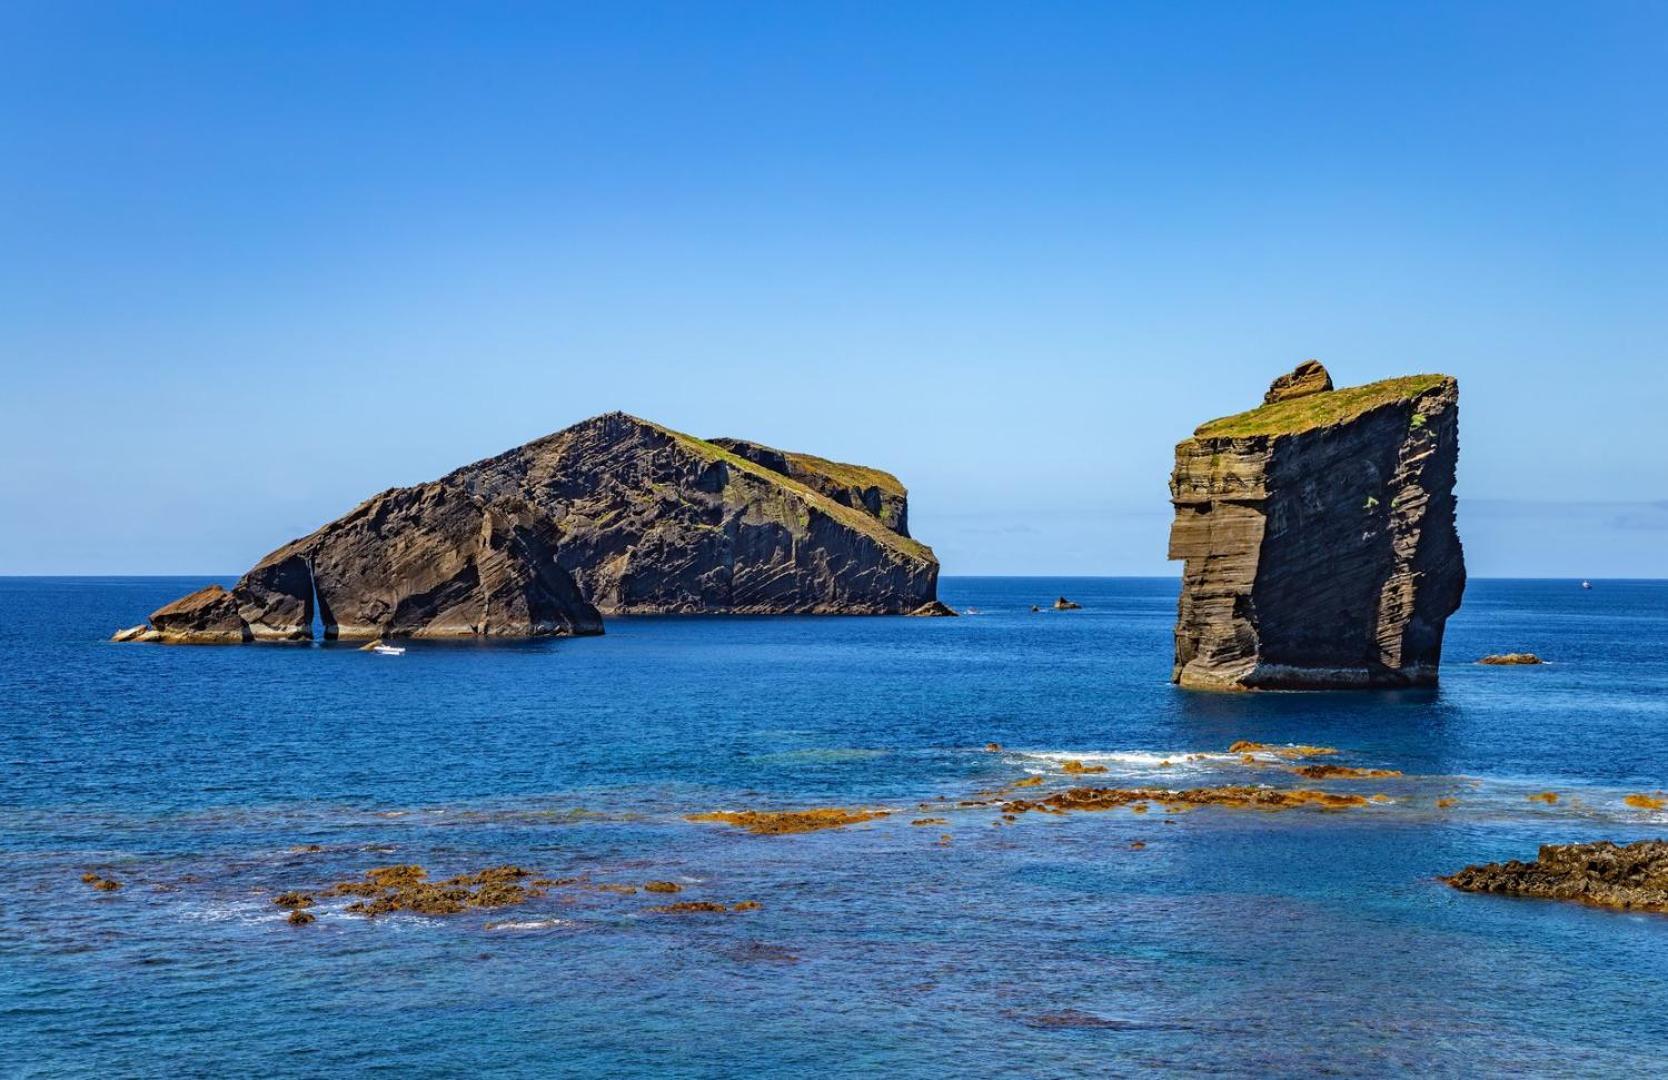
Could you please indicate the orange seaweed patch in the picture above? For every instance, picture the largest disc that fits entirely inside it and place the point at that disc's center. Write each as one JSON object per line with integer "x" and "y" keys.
{"x": 1646, "y": 802}
{"x": 1547, "y": 797}
{"x": 1446, "y": 801}
{"x": 1245, "y": 746}
{"x": 102, "y": 884}
{"x": 1033, "y": 781}
{"x": 777, "y": 822}
{"x": 662, "y": 887}
{"x": 1341, "y": 772}
{"x": 1239, "y": 797}
{"x": 1077, "y": 767}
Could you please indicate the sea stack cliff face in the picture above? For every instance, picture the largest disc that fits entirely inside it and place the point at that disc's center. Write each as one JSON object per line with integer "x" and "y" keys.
{"x": 652, "y": 521}
{"x": 1318, "y": 537}
{"x": 615, "y": 513}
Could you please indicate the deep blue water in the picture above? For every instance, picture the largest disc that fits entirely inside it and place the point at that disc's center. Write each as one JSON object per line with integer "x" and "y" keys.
{"x": 1235, "y": 941}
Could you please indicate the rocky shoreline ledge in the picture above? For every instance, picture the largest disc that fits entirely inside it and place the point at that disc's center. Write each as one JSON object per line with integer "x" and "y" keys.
{"x": 1630, "y": 877}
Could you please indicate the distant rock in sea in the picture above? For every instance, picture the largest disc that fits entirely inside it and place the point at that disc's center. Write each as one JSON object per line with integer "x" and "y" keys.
{"x": 1511, "y": 659}
{"x": 1318, "y": 537}
{"x": 614, "y": 514}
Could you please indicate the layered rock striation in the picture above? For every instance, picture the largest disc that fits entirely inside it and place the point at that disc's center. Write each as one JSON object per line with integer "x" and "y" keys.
{"x": 653, "y": 521}
{"x": 614, "y": 513}
{"x": 1317, "y": 537}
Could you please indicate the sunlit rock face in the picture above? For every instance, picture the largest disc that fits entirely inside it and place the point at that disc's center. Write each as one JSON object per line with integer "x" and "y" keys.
{"x": 1317, "y": 537}
{"x": 615, "y": 513}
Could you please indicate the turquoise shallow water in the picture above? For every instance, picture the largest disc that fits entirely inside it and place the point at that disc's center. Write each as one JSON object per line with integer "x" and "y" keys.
{"x": 1232, "y": 942}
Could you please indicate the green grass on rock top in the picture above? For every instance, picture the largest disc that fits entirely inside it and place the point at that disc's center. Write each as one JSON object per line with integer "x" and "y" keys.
{"x": 1318, "y": 410}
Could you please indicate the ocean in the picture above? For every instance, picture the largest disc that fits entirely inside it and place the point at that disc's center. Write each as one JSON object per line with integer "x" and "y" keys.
{"x": 1215, "y": 941}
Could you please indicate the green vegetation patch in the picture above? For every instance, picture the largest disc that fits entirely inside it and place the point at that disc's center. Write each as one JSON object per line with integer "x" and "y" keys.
{"x": 857, "y": 476}
{"x": 855, "y": 519}
{"x": 1318, "y": 410}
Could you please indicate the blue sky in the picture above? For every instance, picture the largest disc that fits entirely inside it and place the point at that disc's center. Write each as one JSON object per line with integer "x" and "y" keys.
{"x": 258, "y": 262}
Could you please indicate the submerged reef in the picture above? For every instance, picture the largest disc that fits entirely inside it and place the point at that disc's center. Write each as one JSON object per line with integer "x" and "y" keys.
{"x": 1235, "y": 796}
{"x": 1631, "y": 877}
{"x": 775, "y": 822}
{"x": 1317, "y": 536}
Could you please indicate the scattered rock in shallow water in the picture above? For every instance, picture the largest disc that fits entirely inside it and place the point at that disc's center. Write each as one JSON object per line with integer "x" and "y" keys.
{"x": 704, "y": 907}
{"x": 1647, "y": 802}
{"x": 993, "y": 747}
{"x": 934, "y": 608}
{"x": 1077, "y": 767}
{"x": 102, "y": 884}
{"x": 1511, "y": 659}
{"x": 662, "y": 887}
{"x": 301, "y": 918}
{"x": 1245, "y": 746}
{"x": 1630, "y": 877}
{"x": 774, "y": 822}
{"x": 1248, "y": 798}
{"x": 1550, "y": 798}
{"x": 386, "y": 889}
{"x": 1063, "y": 604}
{"x": 931, "y": 821}
{"x": 293, "y": 900}
{"x": 1342, "y": 772}
{"x": 1446, "y": 801}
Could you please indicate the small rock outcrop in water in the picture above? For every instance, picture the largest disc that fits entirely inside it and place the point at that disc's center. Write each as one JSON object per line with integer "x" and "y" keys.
{"x": 1318, "y": 537}
{"x": 1511, "y": 659}
{"x": 935, "y": 609}
{"x": 1631, "y": 877}
{"x": 1063, "y": 604}
{"x": 614, "y": 513}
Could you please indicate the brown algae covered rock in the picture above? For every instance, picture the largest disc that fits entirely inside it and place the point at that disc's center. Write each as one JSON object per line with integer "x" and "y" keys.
{"x": 1512, "y": 659}
{"x": 777, "y": 822}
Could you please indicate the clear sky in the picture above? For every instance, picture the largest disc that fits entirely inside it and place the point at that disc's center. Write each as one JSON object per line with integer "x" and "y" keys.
{"x": 258, "y": 262}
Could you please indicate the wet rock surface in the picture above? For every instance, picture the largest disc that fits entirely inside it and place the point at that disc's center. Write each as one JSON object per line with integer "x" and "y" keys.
{"x": 615, "y": 514}
{"x": 1318, "y": 540}
{"x": 1629, "y": 877}
{"x": 1514, "y": 659}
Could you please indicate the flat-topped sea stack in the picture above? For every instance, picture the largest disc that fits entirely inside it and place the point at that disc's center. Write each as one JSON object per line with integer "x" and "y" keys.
{"x": 613, "y": 515}
{"x": 1318, "y": 537}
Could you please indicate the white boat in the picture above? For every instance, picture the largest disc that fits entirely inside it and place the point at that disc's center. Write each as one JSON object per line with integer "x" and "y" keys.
{"x": 1586, "y": 584}
{"x": 388, "y": 650}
